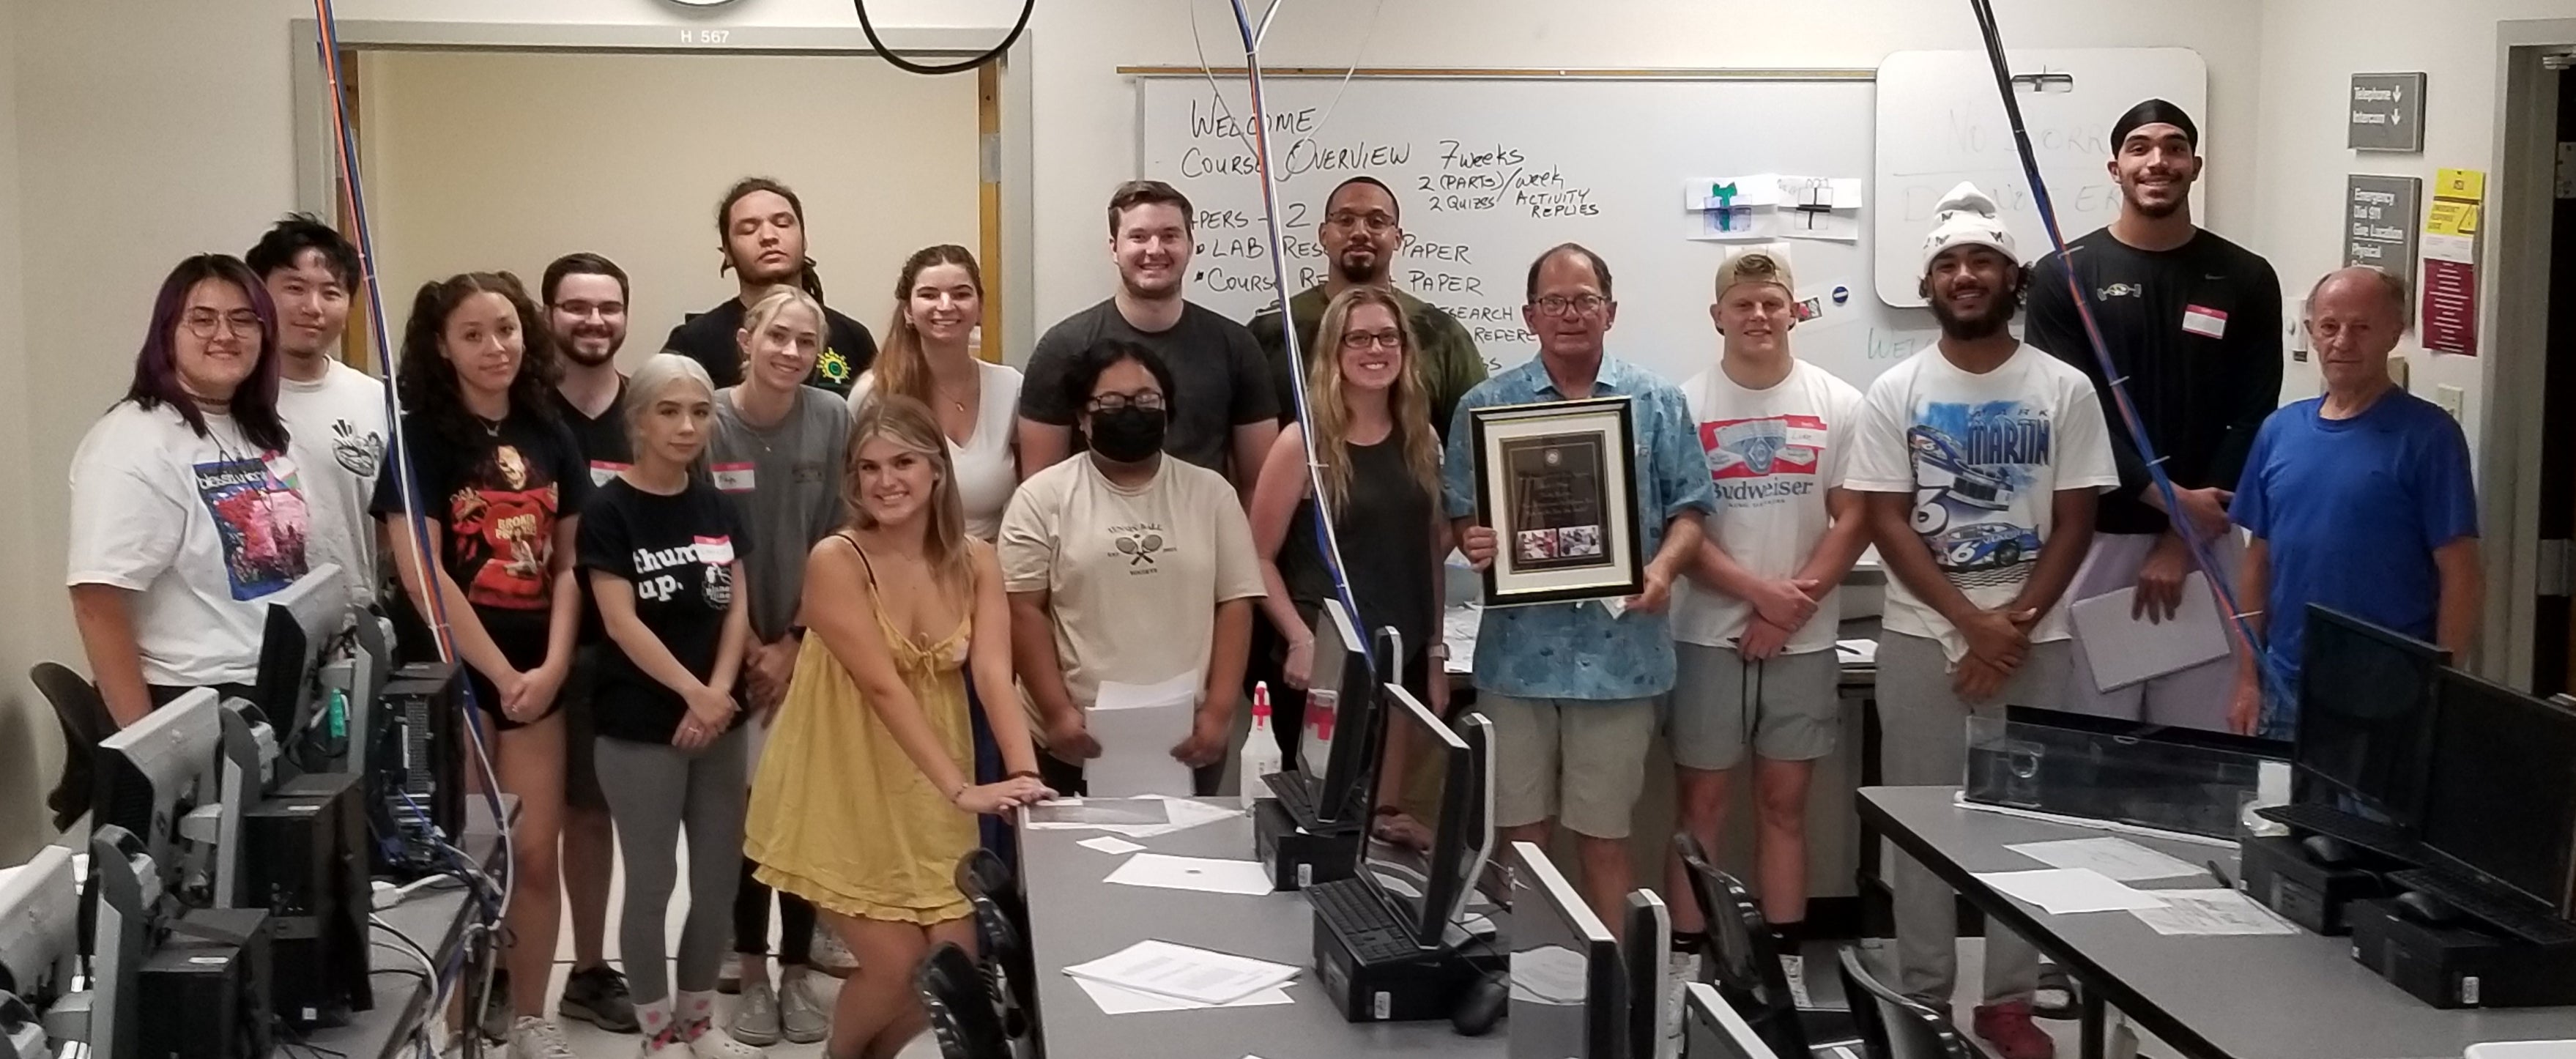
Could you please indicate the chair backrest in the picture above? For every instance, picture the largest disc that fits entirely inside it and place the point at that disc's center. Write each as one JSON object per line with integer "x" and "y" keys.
{"x": 1006, "y": 964}
{"x": 959, "y": 1001}
{"x": 85, "y": 721}
{"x": 981, "y": 873}
{"x": 1743, "y": 958}
{"x": 1893, "y": 1025}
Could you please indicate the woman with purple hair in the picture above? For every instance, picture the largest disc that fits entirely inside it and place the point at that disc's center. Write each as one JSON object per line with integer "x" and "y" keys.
{"x": 186, "y": 521}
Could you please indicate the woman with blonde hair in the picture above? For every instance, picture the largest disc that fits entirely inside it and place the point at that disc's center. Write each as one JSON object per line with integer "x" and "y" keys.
{"x": 1379, "y": 458}
{"x": 864, "y": 800}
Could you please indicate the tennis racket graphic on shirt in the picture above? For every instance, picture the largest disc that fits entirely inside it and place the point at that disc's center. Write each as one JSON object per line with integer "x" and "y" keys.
{"x": 1140, "y": 549}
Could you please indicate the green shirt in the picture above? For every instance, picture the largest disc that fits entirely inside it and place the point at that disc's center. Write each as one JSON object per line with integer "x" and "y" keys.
{"x": 1450, "y": 364}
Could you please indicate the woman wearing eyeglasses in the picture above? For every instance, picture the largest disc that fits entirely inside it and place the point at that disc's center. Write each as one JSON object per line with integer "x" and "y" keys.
{"x": 1127, "y": 568}
{"x": 186, "y": 521}
{"x": 1380, "y": 463}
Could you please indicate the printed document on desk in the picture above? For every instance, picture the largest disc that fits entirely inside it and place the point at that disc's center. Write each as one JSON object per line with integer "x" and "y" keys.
{"x": 2211, "y": 912}
{"x": 2116, "y": 858}
{"x": 1198, "y": 975}
{"x": 1137, "y": 725}
{"x": 2066, "y": 891}
{"x": 1116, "y": 1001}
{"x": 1203, "y": 874}
{"x": 2125, "y": 650}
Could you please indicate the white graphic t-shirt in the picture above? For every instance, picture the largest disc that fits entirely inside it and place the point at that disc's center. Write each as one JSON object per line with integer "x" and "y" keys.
{"x": 1772, "y": 454}
{"x": 336, "y": 431}
{"x": 207, "y": 531}
{"x": 1983, "y": 457}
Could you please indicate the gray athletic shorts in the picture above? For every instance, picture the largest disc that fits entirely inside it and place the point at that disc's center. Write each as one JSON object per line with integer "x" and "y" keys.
{"x": 1580, "y": 762}
{"x": 1796, "y": 713}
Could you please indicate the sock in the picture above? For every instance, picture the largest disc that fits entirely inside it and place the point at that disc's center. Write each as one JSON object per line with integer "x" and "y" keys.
{"x": 790, "y": 976}
{"x": 655, "y": 1017}
{"x": 1690, "y": 942}
{"x": 696, "y": 1013}
{"x": 1789, "y": 935}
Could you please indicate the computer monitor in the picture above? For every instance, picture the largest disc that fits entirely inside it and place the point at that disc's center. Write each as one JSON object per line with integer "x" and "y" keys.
{"x": 154, "y": 771}
{"x": 1646, "y": 949}
{"x": 1712, "y": 1030}
{"x": 2501, "y": 808}
{"x": 2366, "y": 714}
{"x": 39, "y": 927}
{"x": 1336, "y": 751}
{"x": 1428, "y": 890}
{"x": 1567, "y": 988}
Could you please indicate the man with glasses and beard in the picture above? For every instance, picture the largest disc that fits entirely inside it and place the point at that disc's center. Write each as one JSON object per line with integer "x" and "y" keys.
{"x": 1223, "y": 413}
{"x": 2193, "y": 326}
{"x": 1981, "y": 463}
{"x": 1361, "y": 233}
{"x": 585, "y": 304}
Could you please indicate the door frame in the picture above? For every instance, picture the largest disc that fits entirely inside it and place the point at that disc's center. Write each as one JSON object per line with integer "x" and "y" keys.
{"x": 1007, "y": 165}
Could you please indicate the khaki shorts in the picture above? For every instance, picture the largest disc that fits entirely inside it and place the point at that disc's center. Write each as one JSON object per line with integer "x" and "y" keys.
{"x": 1576, "y": 760}
{"x": 1796, "y": 714}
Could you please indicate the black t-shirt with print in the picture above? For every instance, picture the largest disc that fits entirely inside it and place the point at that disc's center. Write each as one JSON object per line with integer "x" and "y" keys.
{"x": 678, "y": 551}
{"x": 496, "y": 502}
{"x": 1219, "y": 371}
{"x": 708, "y": 338}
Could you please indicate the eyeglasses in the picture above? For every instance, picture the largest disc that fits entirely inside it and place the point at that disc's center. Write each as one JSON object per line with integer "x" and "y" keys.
{"x": 1380, "y": 339}
{"x": 1375, "y": 222}
{"x": 583, "y": 309}
{"x": 1579, "y": 305}
{"x": 203, "y": 322}
{"x": 1111, "y": 402}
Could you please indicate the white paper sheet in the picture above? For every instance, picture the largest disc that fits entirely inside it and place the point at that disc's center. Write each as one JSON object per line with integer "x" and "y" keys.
{"x": 1110, "y": 844}
{"x": 2135, "y": 649}
{"x": 2116, "y": 858}
{"x": 2210, "y": 913}
{"x": 1178, "y": 814}
{"x": 1458, "y": 628}
{"x": 1856, "y": 651}
{"x": 1137, "y": 725}
{"x": 1116, "y": 1001}
{"x": 1203, "y": 874}
{"x": 1185, "y": 973}
{"x": 2067, "y": 891}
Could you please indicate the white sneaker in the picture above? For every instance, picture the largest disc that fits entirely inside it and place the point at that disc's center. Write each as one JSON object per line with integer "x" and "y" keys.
{"x": 538, "y": 1038}
{"x": 1794, "y": 968}
{"x": 830, "y": 956}
{"x": 729, "y": 975}
{"x": 755, "y": 1016}
{"x": 804, "y": 1014}
{"x": 1685, "y": 970}
{"x": 714, "y": 1043}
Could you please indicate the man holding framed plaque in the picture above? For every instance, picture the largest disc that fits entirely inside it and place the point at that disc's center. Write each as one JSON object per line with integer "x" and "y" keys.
{"x": 1576, "y": 481}
{"x": 1981, "y": 462}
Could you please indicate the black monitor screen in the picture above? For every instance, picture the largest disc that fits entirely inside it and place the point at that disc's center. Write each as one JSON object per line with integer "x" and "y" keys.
{"x": 1565, "y": 993}
{"x": 2502, "y": 806}
{"x": 2365, "y": 712}
{"x": 1417, "y": 870}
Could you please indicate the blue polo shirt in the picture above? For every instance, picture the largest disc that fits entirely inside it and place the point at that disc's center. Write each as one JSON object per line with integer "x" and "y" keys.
{"x": 1577, "y": 650}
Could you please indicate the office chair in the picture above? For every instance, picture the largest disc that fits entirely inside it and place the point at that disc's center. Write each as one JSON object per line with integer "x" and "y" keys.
{"x": 1000, "y": 952}
{"x": 963, "y": 1018}
{"x": 1745, "y": 962}
{"x": 981, "y": 875}
{"x": 85, "y": 721}
{"x": 1893, "y": 1025}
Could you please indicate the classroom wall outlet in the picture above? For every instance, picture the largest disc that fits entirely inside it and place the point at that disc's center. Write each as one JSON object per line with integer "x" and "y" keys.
{"x": 2449, "y": 398}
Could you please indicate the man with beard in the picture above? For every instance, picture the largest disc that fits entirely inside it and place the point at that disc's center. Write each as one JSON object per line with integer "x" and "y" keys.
{"x": 1221, "y": 414}
{"x": 1981, "y": 463}
{"x": 1361, "y": 232}
{"x": 2192, "y": 323}
{"x": 334, "y": 414}
{"x": 585, "y": 300}
{"x": 762, "y": 227}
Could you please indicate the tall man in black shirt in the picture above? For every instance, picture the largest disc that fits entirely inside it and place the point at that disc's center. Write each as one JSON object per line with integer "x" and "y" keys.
{"x": 761, "y": 228}
{"x": 2193, "y": 326}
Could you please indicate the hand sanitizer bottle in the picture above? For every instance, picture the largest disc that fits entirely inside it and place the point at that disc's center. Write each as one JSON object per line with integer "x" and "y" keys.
{"x": 1260, "y": 749}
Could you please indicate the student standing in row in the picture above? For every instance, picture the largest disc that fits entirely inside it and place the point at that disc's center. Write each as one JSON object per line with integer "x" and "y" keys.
{"x": 779, "y": 447}
{"x": 1982, "y": 461}
{"x": 1755, "y": 623}
{"x": 334, "y": 414}
{"x": 664, "y": 555}
{"x": 760, "y": 228}
{"x": 499, "y": 489}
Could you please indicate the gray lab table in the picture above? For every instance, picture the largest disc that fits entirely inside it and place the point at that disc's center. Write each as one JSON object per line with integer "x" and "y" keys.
{"x": 1074, "y": 918}
{"x": 436, "y": 919}
{"x": 2258, "y": 997}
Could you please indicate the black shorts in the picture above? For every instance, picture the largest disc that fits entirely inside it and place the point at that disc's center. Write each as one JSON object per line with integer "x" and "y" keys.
{"x": 521, "y": 636}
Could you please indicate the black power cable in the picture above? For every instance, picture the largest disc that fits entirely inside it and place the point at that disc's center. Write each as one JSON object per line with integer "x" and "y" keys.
{"x": 1027, "y": 8}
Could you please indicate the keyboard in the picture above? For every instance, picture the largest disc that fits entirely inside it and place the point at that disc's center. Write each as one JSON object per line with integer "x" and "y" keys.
{"x": 2336, "y": 824}
{"x": 1296, "y": 794}
{"x": 2506, "y": 913}
{"x": 1351, "y": 907}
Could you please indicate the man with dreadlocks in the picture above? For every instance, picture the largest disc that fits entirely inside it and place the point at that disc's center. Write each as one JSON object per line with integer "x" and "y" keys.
{"x": 761, "y": 228}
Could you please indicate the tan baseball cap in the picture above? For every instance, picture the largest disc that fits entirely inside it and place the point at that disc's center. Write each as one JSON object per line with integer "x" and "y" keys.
{"x": 1759, "y": 264}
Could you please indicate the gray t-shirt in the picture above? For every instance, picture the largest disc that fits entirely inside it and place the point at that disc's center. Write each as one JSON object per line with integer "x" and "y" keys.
{"x": 785, "y": 486}
{"x": 1222, "y": 377}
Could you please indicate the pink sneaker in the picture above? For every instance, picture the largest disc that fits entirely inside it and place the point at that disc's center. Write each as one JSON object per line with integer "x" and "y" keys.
{"x": 2009, "y": 1028}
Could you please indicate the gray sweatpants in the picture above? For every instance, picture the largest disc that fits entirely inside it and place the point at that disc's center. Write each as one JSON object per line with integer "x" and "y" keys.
{"x": 654, "y": 790}
{"x": 1923, "y": 733}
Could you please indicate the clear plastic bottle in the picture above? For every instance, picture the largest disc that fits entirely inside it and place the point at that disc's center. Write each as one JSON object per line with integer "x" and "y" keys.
{"x": 1260, "y": 749}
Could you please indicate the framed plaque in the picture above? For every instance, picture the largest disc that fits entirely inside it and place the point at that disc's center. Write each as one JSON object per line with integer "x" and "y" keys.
{"x": 1557, "y": 482}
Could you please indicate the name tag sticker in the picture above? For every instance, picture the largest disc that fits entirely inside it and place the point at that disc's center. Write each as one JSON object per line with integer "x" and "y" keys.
{"x": 2205, "y": 322}
{"x": 715, "y": 551}
{"x": 733, "y": 477}
{"x": 602, "y": 470}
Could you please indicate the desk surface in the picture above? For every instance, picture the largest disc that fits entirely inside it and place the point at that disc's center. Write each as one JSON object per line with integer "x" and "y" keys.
{"x": 2275, "y": 997}
{"x": 435, "y": 919}
{"x": 1075, "y": 917}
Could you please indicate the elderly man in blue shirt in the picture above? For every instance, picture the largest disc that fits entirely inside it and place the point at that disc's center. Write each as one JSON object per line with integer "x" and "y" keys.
{"x": 1572, "y": 687}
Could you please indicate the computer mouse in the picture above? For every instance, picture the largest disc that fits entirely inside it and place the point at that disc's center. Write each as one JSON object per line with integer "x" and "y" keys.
{"x": 2331, "y": 852}
{"x": 2426, "y": 908}
{"x": 1484, "y": 1005}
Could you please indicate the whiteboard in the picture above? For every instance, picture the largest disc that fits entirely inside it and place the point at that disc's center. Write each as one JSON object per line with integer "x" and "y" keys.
{"x": 1940, "y": 121}
{"x": 1491, "y": 172}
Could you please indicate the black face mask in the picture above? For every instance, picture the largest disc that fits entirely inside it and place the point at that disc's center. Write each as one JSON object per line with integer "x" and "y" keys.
{"x": 1128, "y": 435}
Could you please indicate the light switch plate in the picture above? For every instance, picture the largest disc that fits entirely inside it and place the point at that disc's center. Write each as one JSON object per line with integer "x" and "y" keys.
{"x": 2449, "y": 398}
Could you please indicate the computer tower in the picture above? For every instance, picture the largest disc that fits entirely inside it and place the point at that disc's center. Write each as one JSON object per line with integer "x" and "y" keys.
{"x": 204, "y": 993}
{"x": 306, "y": 863}
{"x": 414, "y": 793}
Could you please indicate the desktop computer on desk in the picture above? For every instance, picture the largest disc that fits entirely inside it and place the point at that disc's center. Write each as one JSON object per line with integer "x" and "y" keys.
{"x": 307, "y": 865}
{"x": 412, "y": 787}
{"x": 1394, "y": 942}
{"x": 1310, "y": 830}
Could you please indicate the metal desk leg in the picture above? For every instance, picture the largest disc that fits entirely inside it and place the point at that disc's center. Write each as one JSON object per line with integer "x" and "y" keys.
{"x": 2093, "y": 1027}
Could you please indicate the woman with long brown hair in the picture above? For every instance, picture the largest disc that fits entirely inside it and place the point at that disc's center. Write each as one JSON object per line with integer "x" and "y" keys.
{"x": 938, "y": 301}
{"x": 864, "y": 800}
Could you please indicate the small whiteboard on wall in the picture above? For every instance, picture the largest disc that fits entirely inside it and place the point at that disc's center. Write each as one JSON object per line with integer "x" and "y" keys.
{"x": 1940, "y": 121}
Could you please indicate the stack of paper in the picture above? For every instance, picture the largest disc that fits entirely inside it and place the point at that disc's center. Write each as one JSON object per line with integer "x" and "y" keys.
{"x": 2116, "y": 858}
{"x": 1458, "y": 628}
{"x": 2067, "y": 891}
{"x": 2211, "y": 912}
{"x": 1179, "y": 972}
{"x": 1144, "y": 817}
{"x": 1137, "y": 725}
{"x": 1116, "y": 1001}
{"x": 1203, "y": 874}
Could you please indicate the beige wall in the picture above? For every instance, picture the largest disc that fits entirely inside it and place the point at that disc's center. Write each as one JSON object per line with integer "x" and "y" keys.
{"x": 28, "y": 745}
{"x": 509, "y": 160}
